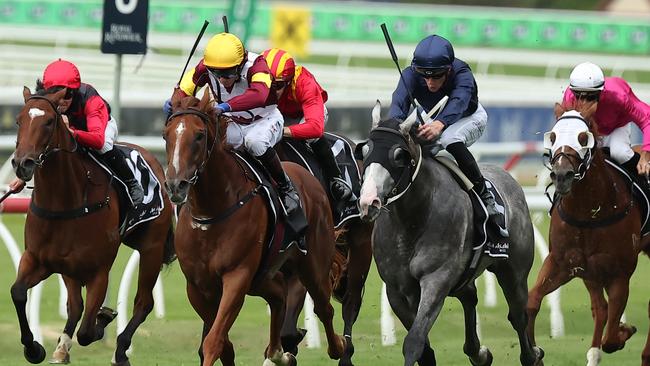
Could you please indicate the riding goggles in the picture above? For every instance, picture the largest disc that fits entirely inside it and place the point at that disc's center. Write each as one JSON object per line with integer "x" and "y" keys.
{"x": 589, "y": 96}
{"x": 431, "y": 73}
{"x": 68, "y": 94}
{"x": 229, "y": 73}
{"x": 279, "y": 84}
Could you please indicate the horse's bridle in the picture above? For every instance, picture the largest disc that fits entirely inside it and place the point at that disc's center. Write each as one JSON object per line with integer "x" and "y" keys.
{"x": 408, "y": 172}
{"x": 48, "y": 149}
{"x": 208, "y": 148}
{"x": 580, "y": 166}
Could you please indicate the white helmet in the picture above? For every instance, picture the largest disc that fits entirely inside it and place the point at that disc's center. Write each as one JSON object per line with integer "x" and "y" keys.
{"x": 587, "y": 77}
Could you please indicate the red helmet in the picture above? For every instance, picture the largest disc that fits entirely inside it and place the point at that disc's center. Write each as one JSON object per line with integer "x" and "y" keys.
{"x": 61, "y": 73}
{"x": 281, "y": 63}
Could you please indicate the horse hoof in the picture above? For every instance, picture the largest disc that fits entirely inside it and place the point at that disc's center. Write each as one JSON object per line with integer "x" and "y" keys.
{"x": 484, "y": 357}
{"x": 290, "y": 342}
{"x": 539, "y": 355}
{"x": 123, "y": 363}
{"x": 290, "y": 359}
{"x": 105, "y": 316}
{"x": 35, "y": 353}
{"x": 60, "y": 361}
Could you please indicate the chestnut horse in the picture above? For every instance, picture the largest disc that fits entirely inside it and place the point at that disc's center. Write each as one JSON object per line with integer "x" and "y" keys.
{"x": 354, "y": 256}
{"x": 82, "y": 243}
{"x": 222, "y": 230}
{"x": 595, "y": 230}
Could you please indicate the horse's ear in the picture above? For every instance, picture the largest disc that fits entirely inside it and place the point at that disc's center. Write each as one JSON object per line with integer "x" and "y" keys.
{"x": 58, "y": 95}
{"x": 177, "y": 97}
{"x": 376, "y": 114}
{"x": 26, "y": 93}
{"x": 405, "y": 127}
{"x": 558, "y": 110}
{"x": 204, "y": 105}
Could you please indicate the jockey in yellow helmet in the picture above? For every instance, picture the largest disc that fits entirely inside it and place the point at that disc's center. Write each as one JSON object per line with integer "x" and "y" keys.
{"x": 241, "y": 82}
{"x": 301, "y": 100}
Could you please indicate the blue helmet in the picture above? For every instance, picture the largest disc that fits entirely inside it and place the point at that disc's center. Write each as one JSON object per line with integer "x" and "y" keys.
{"x": 433, "y": 53}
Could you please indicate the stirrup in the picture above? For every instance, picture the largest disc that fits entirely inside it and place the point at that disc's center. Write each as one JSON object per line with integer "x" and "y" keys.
{"x": 344, "y": 188}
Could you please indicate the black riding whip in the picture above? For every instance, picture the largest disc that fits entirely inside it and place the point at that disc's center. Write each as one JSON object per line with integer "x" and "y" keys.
{"x": 196, "y": 43}
{"x": 224, "y": 19}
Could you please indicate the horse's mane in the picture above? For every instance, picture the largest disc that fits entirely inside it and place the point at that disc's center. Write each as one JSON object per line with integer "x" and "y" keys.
{"x": 191, "y": 102}
{"x": 40, "y": 89}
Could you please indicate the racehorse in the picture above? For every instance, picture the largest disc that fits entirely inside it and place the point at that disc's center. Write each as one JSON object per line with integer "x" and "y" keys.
{"x": 222, "y": 230}
{"x": 354, "y": 255}
{"x": 78, "y": 236}
{"x": 595, "y": 230}
{"x": 424, "y": 237}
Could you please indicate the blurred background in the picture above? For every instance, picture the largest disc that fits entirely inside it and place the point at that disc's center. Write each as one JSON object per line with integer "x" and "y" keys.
{"x": 520, "y": 51}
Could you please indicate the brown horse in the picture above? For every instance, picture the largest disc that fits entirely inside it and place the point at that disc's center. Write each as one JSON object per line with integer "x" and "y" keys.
{"x": 354, "y": 256}
{"x": 222, "y": 231}
{"x": 595, "y": 230}
{"x": 81, "y": 242}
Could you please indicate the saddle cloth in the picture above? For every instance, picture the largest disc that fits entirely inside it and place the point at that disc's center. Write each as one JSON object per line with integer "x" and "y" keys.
{"x": 299, "y": 152}
{"x": 152, "y": 204}
{"x": 486, "y": 235}
{"x": 639, "y": 195}
{"x": 279, "y": 234}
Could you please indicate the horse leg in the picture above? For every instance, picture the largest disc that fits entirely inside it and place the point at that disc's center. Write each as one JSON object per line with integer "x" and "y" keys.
{"x": 360, "y": 257}
{"x": 550, "y": 278}
{"x": 432, "y": 295}
{"x": 30, "y": 273}
{"x": 645, "y": 356}
{"x": 405, "y": 312}
{"x": 599, "y": 314}
{"x": 477, "y": 355}
{"x": 291, "y": 335}
{"x": 515, "y": 290}
{"x": 616, "y": 333}
{"x": 90, "y": 329}
{"x": 150, "y": 262}
{"x": 61, "y": 354}
{"x": 273, "y": 291}
{"x": 235, "y": 286}
{"x": 206, "y": 309}
{"x": 320, "y": 290}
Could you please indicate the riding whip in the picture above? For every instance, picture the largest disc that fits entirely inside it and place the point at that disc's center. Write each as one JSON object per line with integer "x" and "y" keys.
{"x": 7, "y": 194}
{"x": 196, "y": 43}
{"x": 224, "y": 19}
{"x": 389, "y": 43}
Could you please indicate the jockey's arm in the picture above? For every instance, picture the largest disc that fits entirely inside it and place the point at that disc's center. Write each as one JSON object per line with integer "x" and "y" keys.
{"x": 258, "y": 93}
{"x": 313, "y": 108}
{"x": 459, "y": 97}
{"x": 96, "y": 120}
{"x": 401, "y": 103}
{"x": 194, "y": 79}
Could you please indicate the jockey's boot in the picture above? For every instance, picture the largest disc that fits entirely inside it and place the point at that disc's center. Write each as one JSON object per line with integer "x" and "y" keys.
{"x": 630, "y": 167}
{"x": 341, "y": 190}
{"x": 469, "y": 167}
{"x": 288, "y": 194}
{"x": 117, "y": 162}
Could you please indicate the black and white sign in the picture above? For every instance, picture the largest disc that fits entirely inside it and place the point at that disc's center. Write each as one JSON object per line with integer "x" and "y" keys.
{"x": 124, "y": 28}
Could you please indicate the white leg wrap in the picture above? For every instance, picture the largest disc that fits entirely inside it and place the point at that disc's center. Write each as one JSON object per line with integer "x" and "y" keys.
{"x": 593, "y": 356}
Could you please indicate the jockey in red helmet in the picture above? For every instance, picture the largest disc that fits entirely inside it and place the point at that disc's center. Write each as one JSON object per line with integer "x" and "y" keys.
{"x": 301, "y": 100}
{"x": 88, "y": 118}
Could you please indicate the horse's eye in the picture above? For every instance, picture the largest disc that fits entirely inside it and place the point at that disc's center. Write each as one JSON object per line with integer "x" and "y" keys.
{"x": 199, "y": 136}
{"x": 583, "y": 139}
{"x": 552, "y": 137}
{"x": 400, "y": 155}
{"x": 49, "y": 122}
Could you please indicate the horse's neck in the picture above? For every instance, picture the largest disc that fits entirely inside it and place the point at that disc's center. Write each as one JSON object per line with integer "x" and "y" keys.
{"x": 60, "y": 183}
{"x": 599, "y": 186}
{"x": 218, "y": 185}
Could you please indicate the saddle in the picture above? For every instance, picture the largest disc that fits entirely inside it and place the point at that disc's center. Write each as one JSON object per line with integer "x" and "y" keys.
{"x": 152, "y": 204}
{"x": 487, "y": 236}
{"x": 299, "y": 152}
{"x": 640, "y": 194}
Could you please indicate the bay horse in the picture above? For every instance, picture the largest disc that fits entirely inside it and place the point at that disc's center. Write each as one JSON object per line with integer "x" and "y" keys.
{"x": 354, "y": 256}
{"x": 424, "y": 237}
{"x": 595, "y": 230}
{"x": 222, "y": 230}
{"x": 79, "y": 238}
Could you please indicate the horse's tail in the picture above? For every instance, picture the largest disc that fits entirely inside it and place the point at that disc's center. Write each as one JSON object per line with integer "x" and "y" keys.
{"x": 169, "y": 252}
{"x": 338, "y": 273}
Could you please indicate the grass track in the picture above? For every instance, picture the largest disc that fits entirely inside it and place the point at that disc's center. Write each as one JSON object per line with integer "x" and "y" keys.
{"x": 174, "y": 340}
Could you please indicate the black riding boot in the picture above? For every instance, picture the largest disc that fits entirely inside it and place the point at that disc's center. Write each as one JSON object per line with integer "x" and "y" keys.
{"x": 630, "y": 167}
{"x": 469, "y": 167}
{"x": 341, "y": 190}
{"x": 117, "y": 162}
{"x": 288, "y": 193}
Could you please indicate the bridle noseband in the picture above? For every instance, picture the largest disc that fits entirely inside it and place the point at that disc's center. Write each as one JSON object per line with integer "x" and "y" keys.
{"x": 208, "y": 148}
{"x": 48, "y": 149}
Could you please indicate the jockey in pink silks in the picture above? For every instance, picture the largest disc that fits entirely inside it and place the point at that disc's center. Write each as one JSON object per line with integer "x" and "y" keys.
{"x": 617, "y": 107}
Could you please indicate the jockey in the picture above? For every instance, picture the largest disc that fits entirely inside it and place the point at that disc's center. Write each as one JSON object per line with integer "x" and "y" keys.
{"x": 434, "y": 73}
{"x": 88, "y": 118}
{"x": 617, "y": 107}
{"x": 241, "y": 81}
{"x": 301, "y": 100}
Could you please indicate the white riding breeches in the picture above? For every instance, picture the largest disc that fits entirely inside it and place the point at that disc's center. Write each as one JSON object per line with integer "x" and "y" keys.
{"x": 297, "y": 121}
{"x": 258, "y": 136}
{"x": 619, "y": 143}
{"x": 466, "y": 130}
{"x": 110, "y": 135}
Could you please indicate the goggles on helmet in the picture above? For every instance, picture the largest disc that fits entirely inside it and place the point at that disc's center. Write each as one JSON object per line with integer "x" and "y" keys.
{"x": 431, "y": 73}
{"x": 229, "y": 73}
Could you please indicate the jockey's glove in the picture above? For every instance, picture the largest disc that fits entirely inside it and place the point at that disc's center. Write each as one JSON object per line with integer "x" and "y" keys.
{"x": 221, "y": 108}
{"x": 167, "y": 107}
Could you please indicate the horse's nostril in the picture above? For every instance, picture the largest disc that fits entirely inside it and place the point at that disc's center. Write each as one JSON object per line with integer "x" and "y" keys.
{"x": 569, "y": 175}
{"x": 553, "y": 176}
{"x": 183, "y": 185}
{"x": 14, "y": 164}
{"x": 29, "y": 164}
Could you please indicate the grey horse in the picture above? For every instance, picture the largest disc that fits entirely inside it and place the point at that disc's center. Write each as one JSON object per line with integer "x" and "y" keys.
{"x": 423, "y": 240}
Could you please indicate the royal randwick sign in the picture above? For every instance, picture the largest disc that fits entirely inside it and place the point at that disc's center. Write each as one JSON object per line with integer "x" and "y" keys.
{"x": 124, "y": 28}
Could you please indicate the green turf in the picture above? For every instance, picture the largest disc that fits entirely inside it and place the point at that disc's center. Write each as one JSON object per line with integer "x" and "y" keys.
{"x": 174, "y": 340}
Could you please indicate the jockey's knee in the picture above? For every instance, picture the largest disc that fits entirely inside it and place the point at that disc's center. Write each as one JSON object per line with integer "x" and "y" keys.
{"x": 621, "y": 155}
{"x": 256, "y": 147}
